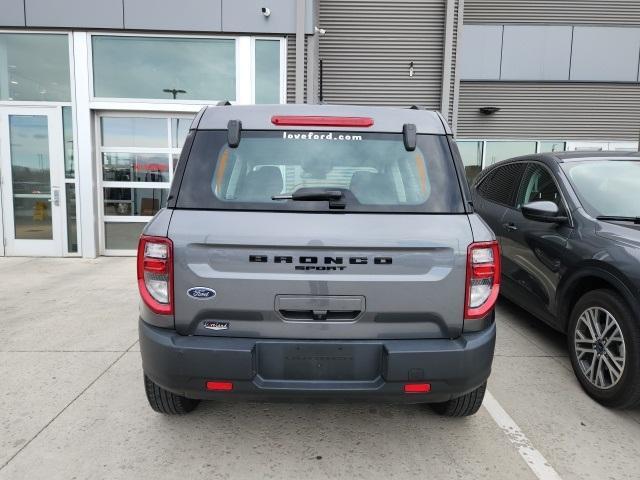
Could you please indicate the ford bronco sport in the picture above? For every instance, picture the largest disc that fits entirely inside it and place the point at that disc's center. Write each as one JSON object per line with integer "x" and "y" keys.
{"x": 314, "y": 251}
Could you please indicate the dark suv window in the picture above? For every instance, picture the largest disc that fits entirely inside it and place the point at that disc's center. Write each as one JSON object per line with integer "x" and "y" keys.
{"x": 538, "y": 184}
{"x": 373, "y": 171}
{"x": 500, "y": 185}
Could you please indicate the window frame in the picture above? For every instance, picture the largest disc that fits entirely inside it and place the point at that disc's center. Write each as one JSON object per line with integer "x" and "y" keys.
{"x": 245, "y": 75}
{"x": 554, "y": 177}
{"x": 487, "y": 178}
{"x": 101, "y": 184}
{"x": 75, "y": 180}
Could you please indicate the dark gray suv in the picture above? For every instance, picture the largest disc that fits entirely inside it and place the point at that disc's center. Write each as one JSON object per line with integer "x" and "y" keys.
{"x": 318, "y": 251}
{"x": 569, "y": 229}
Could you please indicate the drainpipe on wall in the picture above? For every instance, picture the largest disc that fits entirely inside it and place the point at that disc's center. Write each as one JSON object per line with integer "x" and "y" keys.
{"x": 456, "y": 78}
{"x": 300, "y": 24}
{"x": 313, "y": 54}
{"x": 447, "y": 59}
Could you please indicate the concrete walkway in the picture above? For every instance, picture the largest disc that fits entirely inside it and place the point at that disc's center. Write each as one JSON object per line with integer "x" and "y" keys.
{"x": 73, "y": 406}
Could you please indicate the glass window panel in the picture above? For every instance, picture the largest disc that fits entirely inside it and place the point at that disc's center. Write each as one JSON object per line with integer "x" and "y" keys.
{"x": 67, "y": 131}
{"x": 30, "y": 176}
{"x": 72, "y": 224}
{"x": 497, "y": 151}
{"x": 134, "y": 132}
{"x": 122, "y": 236}
{"x": 34, "y": 67}
{"x": 267, "y": 71}
{"x": 135, "y": 167}
{"x": 552, "y": 146}
{"x": 471, "y": 153}
{"x": 134, "y": 201}
{"x": 179, "y": 131}
{"x": 164, "y": 68}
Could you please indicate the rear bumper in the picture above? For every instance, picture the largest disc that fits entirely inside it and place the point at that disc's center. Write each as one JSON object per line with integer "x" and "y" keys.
{"x": 378, "y": 368}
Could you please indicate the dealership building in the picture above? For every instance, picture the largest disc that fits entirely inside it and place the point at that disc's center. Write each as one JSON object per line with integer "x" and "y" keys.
{"x": 96, "y": 96}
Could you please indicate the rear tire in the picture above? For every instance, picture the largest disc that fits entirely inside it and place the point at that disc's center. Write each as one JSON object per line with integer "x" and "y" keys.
{"x": 604, "y": 347}
{"x": 467, "y": 404}
{"x": 163, "y": 401}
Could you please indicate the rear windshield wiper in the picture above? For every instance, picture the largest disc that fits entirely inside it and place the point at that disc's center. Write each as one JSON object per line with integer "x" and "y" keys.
{"x": 334, "y": 197}
{"x": 617, "y": 218}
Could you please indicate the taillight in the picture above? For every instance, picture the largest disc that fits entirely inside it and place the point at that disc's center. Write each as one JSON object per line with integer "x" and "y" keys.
{"x": 155, "y": 273}
{"x": 483, "y": 279}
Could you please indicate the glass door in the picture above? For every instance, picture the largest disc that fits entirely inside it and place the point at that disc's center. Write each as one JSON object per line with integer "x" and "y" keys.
{"x": 31, "y": 169}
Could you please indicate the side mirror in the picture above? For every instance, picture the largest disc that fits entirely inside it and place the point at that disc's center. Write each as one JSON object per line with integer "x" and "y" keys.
{"x": 543, "y": 211}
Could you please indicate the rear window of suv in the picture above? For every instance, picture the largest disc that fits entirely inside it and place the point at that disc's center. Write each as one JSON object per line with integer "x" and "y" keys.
{"x": 373, "y": 171}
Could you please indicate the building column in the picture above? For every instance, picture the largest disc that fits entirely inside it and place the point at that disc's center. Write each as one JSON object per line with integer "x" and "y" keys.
{"x": 85, "y": 164}
{"x": 456, "y": 75}
{"x": 447, "y": 58}
{"x": 300, "y": 30}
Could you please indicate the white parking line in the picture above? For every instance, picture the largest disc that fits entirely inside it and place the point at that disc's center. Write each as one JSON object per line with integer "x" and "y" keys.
{"x": 537, "y": 463}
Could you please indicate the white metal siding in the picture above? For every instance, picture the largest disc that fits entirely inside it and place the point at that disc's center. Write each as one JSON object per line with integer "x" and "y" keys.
{"x": 571, "y": 12}
{"x": 557, "y": 111}
{"x": 369, "y": 45}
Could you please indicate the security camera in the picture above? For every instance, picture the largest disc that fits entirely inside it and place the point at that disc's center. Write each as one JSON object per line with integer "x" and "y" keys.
{"x": 320, "y": 31}
{"x": 266, "y": 11}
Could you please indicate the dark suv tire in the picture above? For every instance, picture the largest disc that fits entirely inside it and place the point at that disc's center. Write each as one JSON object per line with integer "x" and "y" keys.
{"x": 604, "y": 346}
{"x": 163, "y": 401}
{"x": 463, "y": 406}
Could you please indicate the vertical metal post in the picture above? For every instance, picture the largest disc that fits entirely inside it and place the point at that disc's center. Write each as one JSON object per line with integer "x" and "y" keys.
{"x": 447, "y": 59}
{"x": 85, "y": 164}
{"x": 321, "y": 94}
{"x": 300, "y": 23}
{"x": 456, "y": 79}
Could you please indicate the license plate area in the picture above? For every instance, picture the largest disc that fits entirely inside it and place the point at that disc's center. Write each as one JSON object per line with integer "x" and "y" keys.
{"x": 319, "y": 361}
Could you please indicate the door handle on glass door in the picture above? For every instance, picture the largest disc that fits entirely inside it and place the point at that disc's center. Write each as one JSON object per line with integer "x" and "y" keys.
{"x": 511, "y": 227}
{"x": 56, "y": 197}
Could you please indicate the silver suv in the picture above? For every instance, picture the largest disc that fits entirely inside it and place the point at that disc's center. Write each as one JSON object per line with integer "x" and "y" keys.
{"x": 316, "y": 251}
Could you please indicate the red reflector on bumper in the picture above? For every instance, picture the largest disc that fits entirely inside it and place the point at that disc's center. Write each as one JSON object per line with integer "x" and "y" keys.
{"x": 417, "y": 387}
{"x": 220, "y": 386}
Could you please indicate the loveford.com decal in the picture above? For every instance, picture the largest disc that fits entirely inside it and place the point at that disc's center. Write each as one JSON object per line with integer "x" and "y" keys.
{"x": 320, "y": 136}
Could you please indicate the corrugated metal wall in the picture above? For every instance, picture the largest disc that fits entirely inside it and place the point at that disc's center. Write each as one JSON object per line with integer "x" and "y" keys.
{"x": 368, "y": 47}
{"x": 557, "y": 111}
{"x": 573, "y": 12}
{"x": 291, "y": 68}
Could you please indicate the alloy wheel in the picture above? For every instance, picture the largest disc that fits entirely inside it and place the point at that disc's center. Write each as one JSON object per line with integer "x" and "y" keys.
{"x": 600, "y": 348}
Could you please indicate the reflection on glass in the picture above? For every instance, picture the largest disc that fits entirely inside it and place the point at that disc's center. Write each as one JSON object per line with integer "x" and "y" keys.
{"x": 267, "y": 71}
{"x": 67, "y": 132}
{"x": 134, "y": 201}
{"x": 134, "y": 132}
{"x": 471, "y": 153}
{"x": 30, "y": 176}
{"x": 122, "y": 236}
{"x": 135, "y": 167}
{"x": 164, "y": 68}
{"x": 176, "y": 158}
{"x": 72, "y": 225}
{"x": 497, "y": 151}
{"x": 552, "y": 147}
{"x": 34, "y": 67}
{"x": 179, "y": 131}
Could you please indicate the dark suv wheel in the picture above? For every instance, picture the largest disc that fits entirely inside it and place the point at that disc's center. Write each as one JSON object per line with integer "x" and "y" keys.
{"x": 604, "y": 346}
{"x": 163, "y": 401}
{"x": 463, "y": 406}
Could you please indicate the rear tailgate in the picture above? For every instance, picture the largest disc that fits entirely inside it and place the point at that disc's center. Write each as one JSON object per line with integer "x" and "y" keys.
{"x": 320, "y": 276}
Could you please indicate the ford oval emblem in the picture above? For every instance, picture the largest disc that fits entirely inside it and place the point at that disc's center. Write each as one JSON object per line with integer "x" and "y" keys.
{"x": 201, "y": 293}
